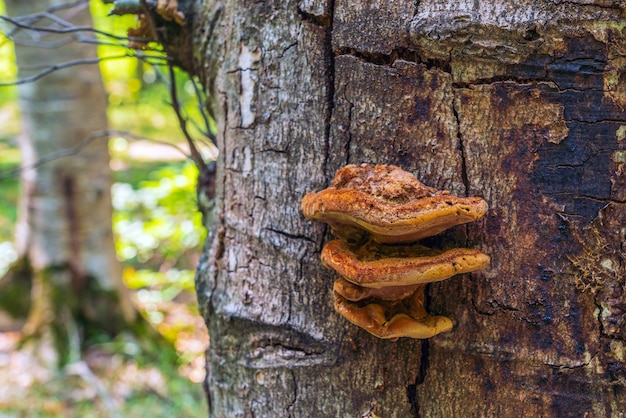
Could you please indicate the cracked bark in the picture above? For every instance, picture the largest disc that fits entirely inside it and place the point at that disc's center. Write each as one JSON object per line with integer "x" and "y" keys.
{"x": 520, "y": 102}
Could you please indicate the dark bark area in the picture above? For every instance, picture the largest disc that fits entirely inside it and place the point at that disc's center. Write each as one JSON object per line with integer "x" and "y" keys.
{"x": 521, "y": 103}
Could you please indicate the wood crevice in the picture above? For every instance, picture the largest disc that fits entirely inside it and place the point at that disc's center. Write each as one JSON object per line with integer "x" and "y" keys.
{"x": 324, "y": 21}
{"x": 593, "y": 122}
{"x": 416, "y": 5}
{"x": 602, "y": 199}
{"x": 581, "y": 365}
{"x": 461, "y": 145}
{"x": 349, "y": 139}
{"x": 397, "y": 54}
{"x": 330, "y": 85}
{"x": 295, "y": 393}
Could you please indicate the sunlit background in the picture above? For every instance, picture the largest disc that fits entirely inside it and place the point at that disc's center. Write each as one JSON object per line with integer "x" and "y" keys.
{"x": 158, "y": 233}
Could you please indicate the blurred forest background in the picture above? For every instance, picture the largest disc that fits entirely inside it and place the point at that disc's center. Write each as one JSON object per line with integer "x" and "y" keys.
{"x": 158, "y": 237}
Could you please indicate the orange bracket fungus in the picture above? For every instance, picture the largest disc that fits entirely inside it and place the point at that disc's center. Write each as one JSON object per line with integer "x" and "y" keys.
{"x": 378, "y": 212}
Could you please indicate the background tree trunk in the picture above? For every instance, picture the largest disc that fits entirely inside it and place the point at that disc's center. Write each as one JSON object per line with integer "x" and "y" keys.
{"x": 64, "y": 228}
{"x": 519, "y": 102}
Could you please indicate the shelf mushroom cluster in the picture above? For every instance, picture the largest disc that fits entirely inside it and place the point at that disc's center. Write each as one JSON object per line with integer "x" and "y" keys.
{"x": 379, "y": 213}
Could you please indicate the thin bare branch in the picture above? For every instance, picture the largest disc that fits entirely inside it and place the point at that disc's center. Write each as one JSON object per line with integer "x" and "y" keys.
{"x": 28, "y": 23}
{"x": 64, "y": 6}
{"x": 80, "y": 39}
{"x": 63, "y": 22}
{"x": 195, "y": 154}
{"x": 55, "y": 67}
{"x": 199, "y": 128}
{"x": 44, "y": 45}
{"x": 202, "y": 108}
{"x": 66, "y": 152}
{"x": 200, "y": 100}
{"x": 51, "y": 69}
{"x": 60, "y": 30}
{"x": 122, "y": 7}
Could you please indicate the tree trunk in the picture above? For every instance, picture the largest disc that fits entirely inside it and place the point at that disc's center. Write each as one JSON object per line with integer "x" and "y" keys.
{"x": 521, "y": 103}
{"x": 64, "y": 227}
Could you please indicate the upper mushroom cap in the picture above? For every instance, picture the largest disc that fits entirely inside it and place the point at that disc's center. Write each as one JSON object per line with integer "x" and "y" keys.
{"x": 389, "y": 203}
{"x": 376, "y": 265}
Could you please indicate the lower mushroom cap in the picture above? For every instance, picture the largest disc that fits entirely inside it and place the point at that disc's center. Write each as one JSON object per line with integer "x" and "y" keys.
{"x": 377, "y": 266}
{"x": 373, "y": 319}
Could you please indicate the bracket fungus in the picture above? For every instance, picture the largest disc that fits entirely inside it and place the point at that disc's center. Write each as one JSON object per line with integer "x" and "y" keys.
{"x": 379, "y": 212}
{"x": 389, "y": 204}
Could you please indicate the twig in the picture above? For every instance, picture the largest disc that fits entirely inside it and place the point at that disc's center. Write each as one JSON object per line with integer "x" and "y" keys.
{"x": 55, "y": 67}
{"x": 66, "y": 152}
{"x": 37, "y": 16}
{"x": 64, "y": 30}
{"x": 19, "y": 23}
{"x": 195, "y": 155}
{"x": 128, "y": 6}
{"x": 206, "y": 131}
{"x": 200, "y": 99}
{"x": 64, "y": 6}
{"x": 80, "y": 39}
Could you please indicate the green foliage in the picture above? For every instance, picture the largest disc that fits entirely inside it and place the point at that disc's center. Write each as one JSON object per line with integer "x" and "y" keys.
{"x": 113, "y": 70}
{"x": 9, "y": 189}
{"x": 8, "y": 69}
{"x": 144, "y": 101}
{"x": 159, "y": 234}
{"x": 158, "y": 221}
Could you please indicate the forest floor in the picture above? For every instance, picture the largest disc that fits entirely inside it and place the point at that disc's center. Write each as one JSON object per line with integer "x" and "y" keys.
{"x": 107, "y": 381}
{"x": 110, "y": 379}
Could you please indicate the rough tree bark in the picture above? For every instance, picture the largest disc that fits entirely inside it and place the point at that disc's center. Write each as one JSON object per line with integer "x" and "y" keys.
{"x": 64, "y": 236}
{"x": 521, "y": 102}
